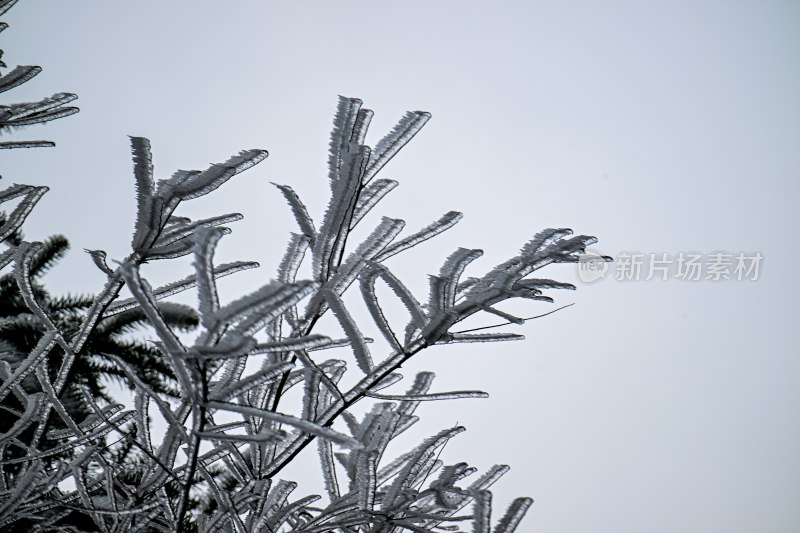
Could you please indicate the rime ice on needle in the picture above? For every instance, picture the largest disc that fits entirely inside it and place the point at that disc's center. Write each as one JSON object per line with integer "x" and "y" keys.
{"x": 235, "y": 464}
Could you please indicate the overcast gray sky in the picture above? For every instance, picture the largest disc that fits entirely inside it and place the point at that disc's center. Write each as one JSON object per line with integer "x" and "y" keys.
{"x": 649, "y": 406}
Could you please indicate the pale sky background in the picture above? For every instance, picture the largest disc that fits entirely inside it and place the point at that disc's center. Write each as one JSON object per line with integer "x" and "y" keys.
{"x": 649, "y": 406}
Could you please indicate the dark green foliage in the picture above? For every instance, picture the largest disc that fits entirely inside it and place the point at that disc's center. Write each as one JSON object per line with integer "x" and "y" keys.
{"x": 20, "y": 331}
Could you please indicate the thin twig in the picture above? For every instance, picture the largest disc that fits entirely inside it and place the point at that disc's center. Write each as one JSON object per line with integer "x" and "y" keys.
{"x": 433, "y": 464}
{"x": 507, "y": 323}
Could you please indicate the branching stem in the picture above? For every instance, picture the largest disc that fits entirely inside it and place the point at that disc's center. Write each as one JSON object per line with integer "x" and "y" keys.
{"x": 198, "y": 426}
